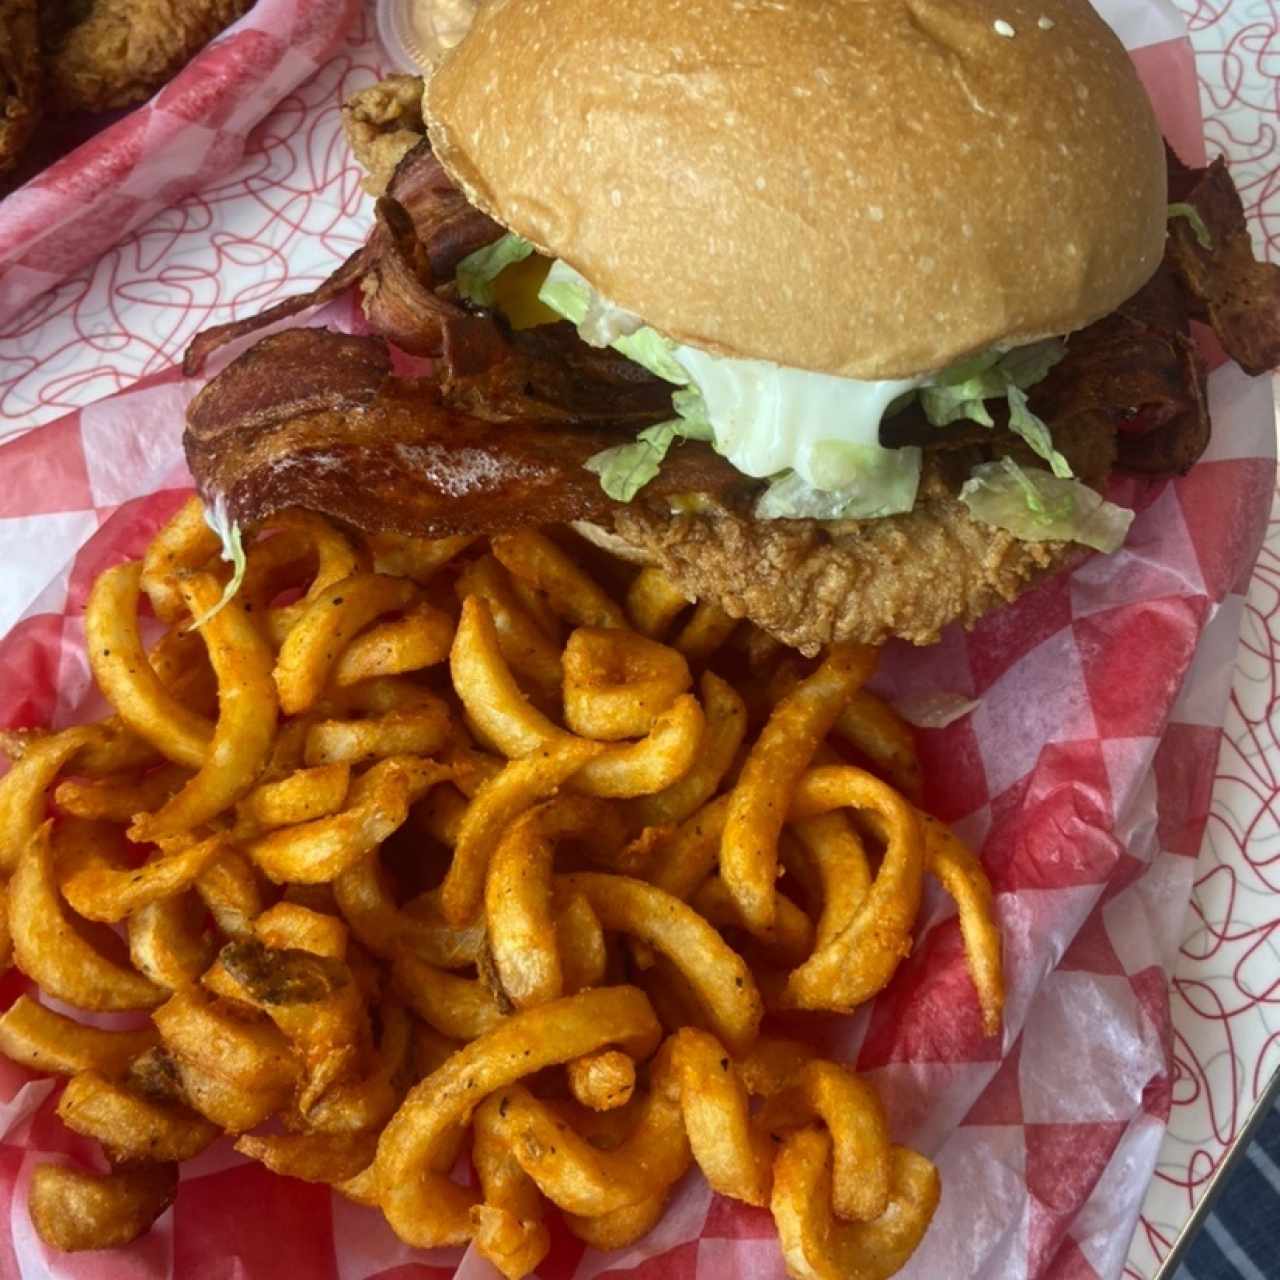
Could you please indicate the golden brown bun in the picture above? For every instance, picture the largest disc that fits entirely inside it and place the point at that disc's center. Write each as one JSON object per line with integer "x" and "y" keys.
{"x": 862, "y": 187}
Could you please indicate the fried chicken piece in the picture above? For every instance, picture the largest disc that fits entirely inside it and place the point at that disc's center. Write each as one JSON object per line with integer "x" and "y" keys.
{"x": 809, "y": 583}
{"x": 21, "y": 78}
{"x": 383, "y": 123}
{"x": 122, "y": 51}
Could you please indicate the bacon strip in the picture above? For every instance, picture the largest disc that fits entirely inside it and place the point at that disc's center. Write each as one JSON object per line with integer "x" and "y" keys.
{"x": 448, "y": 226}
{"x": 289, "y": 374}
{"x": 398, "y": 298}
{"x": 384, "y": 454}
{"x": 432, "y": 211}
{"x": 1138, "y": 369}
{"x": 547, "y": 373}
{"x": 207, "y": 341}
{"x": 1223, "y": 285}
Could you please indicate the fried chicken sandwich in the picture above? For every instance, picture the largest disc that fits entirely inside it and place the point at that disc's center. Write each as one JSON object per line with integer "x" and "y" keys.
{"x": 840, "y": 313}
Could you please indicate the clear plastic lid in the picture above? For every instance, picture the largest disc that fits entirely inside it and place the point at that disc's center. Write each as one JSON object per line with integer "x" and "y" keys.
{"x": 417, "y": 33}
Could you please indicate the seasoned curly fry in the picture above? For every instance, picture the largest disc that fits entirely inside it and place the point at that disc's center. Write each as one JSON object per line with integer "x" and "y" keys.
{"x": 748, "y": 855}
{"x": 374, "y": 935}
{"x": 861, "y": 959}
{"x": 45, "y": 1040}
{"x": 963, "y": 878}
{"x": 22, "y": 790}
{"x": 50, "y": 950}
{"x": 508, "y": 1224}
{"x": 241, "y": 741}
{"x": 186, "y": 543}
{"x": 815, "y": 1243}
{"x": 423, "y": 1207}
{"x": 74, "y": 1210}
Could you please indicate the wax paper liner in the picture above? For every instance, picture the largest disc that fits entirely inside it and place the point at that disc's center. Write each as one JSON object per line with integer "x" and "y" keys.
{"x": 1083, "y": 774}
{"x": 190, "y": 134}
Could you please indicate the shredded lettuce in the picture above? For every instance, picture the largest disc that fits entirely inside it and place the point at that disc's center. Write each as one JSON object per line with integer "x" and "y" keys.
{"x": 961, "y": 391}
{"x": 1201, "y": 232}
{"x": 477, "y": 271}
{"x": 816, "y": 435}
{"x": 1034, "y": 431}
{"x": 626, "y": 468}
{"x": 1025, "y": 366}
{"x": 886, "y": 484}
{"x": 566, "y": 291}
{"x": 649, "y": 348}
{"x": 1037, "y": 506}
{"x": 217, "y": 518}
{"x": 601, "y": 324}
{"x": 692, "y": 408}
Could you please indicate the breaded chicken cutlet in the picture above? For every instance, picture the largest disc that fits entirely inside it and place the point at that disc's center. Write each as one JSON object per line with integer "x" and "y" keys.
{"x": 383, "y": 123}
{"x": 20, "y": 79}
{"x": 113, "y": 53}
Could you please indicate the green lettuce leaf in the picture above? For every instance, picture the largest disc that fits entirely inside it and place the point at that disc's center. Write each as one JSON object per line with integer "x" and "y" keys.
{"x": 566, "y": 292}
{"x": 477, "y": 271}
{"x": 649, "y": 348}
{"x": 960, "y": 389}
{"x": 1192, "y": 215}
{"x": 1034, "y": 431}
{"x": 960, "y": 392}
{"x": 886, "y": 484}
{"x": 689, "y": 404}
{"x": 1037, "y": 506}
{"x": 600, "y": 323}
{"x": 229, "y": 533}
{"x": 1025, "y": 366}
{"x": 944, "y": 405}
{"x": 625, "y": 469}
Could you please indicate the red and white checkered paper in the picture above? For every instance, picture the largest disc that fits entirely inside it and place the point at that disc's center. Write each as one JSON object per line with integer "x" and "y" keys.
{"x": 184, "y": 139}
{"x": 1083, "y": 775}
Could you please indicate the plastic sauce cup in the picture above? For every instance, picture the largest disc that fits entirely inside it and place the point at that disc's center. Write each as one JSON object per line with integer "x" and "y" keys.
{"x": 417, "y": 33}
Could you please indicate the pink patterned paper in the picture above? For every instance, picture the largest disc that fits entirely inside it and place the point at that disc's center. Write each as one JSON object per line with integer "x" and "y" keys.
{"x": 188, "y": 136}
{"x": 1089, "y": 793}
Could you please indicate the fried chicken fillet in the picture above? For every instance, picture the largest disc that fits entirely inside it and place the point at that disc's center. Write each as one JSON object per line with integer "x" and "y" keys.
{"x": 383, "y": 123}
{"x": 21, "y": 77}
{"x": 122, "y": 51}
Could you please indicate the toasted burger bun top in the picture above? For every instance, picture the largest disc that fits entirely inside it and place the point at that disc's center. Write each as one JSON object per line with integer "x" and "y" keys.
{"x": 869, "y": 188}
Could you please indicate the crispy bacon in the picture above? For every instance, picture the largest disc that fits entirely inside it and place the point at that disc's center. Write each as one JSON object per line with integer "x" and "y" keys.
{"x": 384, "y": 453}
{"x": 448, "y": 226}
{"x": 430, "y": 229}
{"x": 397, "y": 294}
{"x": 1238, "y": 297}
{"x": 207, "y": 341}
{"x": 1138, "y": 370}
{"x": 547, "y": 373}
{"x": 288, "y": 374}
